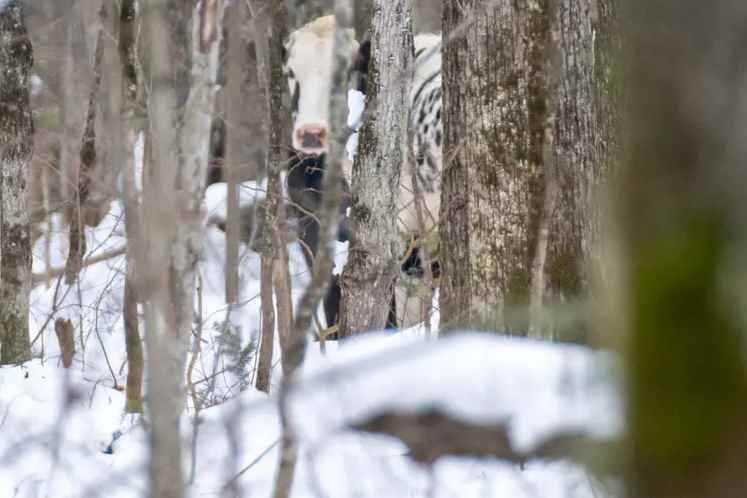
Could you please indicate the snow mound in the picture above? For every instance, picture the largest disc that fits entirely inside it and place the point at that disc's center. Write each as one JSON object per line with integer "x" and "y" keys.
{"x": 81, "y": 442}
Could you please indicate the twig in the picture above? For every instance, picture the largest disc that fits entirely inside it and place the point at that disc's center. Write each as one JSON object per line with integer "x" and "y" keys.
{"x": 38, "y": 278}
{"x": 251, "y": 464}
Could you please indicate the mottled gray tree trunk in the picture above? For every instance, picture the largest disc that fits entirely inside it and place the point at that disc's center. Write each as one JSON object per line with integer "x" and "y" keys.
{"x": 525, "y": 150}
{"x": 16, "y": 139}
{"x": 373, "y": 262}
{"x": 684, "y": 238}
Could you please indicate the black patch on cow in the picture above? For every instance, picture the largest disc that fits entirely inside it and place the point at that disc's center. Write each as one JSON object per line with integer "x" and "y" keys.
{"x": 424, "y": 85}
{"x": 359, "y": 68}
{"x": 305, "y": 180}
{"x": 295, "y": 97}
{"x": 413, "y": 265}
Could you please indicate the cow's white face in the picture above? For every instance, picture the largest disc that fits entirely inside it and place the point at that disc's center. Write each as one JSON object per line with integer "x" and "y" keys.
{"x": 308, "y": 69}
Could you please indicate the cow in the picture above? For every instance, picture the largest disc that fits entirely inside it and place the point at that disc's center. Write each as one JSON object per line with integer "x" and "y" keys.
{"x": 308, "y": 70}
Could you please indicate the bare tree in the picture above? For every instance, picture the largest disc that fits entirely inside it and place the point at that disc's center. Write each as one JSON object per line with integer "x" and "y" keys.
{"x": 83, "y": 180}
{"x": 373, "y": 261}
{"x": 683, "y": 239}
{"x": 525, "y": 151}
{"x": 269, "y": 36}
{"x": 294, "y": 351}
{"x": 131, "y": 113}
{"x": 234, "y": 136}
{"x": 16, "y": 138}
{"x": 183, "y": 71}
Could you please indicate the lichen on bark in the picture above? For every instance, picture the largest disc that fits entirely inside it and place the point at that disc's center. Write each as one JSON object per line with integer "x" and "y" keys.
{"x": 16, "y": 131}
{"x": 525, "y": 150}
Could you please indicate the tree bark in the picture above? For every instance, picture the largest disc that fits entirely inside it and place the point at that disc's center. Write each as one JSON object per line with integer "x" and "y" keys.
{"x": 373, "y": 261}
{"x": 269, "y": 36}
{"x": 525, "y": 150}
{"x": 76, "y": 221}
{"x": 166, "y": 350}
{"x": 16, "y": 139}
{"x": 233, "y": 137}
{"x": 183, "y": 73}
{"x": 131, "y": 114}
{"x": 683, "y": 240}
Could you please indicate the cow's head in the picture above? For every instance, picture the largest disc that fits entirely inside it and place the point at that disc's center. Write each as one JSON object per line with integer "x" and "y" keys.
{"x": 308, "y": 68}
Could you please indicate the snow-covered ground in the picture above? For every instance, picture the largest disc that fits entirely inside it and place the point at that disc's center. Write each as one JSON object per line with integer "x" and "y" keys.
{"x": 63, "y": 432}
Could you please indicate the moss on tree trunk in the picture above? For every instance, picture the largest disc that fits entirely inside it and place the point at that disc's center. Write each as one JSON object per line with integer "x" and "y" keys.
{"x": 526, "y": 149}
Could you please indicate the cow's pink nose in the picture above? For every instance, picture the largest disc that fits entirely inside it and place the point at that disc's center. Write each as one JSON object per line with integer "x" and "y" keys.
{"x": 312, "y": 136}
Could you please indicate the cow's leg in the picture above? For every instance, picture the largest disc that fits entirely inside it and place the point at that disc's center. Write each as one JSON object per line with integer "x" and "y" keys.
{"x": 391, "y": 319}
{"x": 332, "y": 303}
{"x": 309, "y": 235}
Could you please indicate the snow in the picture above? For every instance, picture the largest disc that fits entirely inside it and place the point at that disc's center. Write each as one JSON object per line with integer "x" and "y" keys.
{"x": 356, "y": 103}
{"x": 537, "y": 388}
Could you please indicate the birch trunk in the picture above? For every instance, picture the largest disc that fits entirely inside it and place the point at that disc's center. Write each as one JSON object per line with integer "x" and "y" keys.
{"x": 684, "y": 238}
{"x": 373, "y": 262}
{"x": 16, "y": 139}
{"x": 524, "y": 154}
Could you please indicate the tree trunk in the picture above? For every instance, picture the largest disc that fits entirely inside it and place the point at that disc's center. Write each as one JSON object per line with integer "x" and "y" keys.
{"x": 131, "y": 103}
{"x": 684, "y": 240}
{"x": 75, "y": 213}
{"x": 373, "y": 261}
{"x": 16, "y": 138}
{"x": 525, "y": 149}
{"x": 269, "y": 36}
{"x": 183, "y": 73}
{"x": 165, "y": 348}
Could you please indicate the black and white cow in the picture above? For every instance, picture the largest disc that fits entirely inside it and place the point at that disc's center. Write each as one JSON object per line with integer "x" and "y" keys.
{"x": 308, "y": 70}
